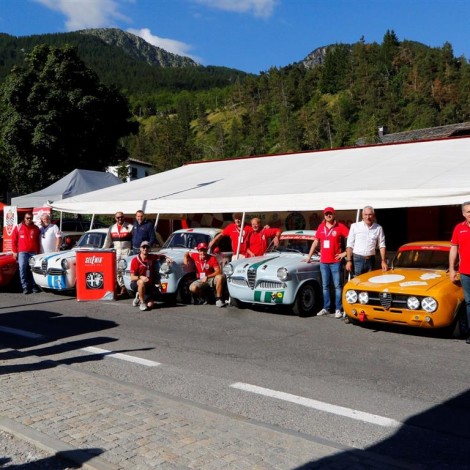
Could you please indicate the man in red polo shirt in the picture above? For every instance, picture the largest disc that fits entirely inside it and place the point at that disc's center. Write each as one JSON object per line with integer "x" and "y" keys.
{"x": 208, "y": 274}
{"x": 233, "y": 231}
{"x": 329, "y": 235}
{"x": 258, "y": 238}
{"x": 460, "y": 246}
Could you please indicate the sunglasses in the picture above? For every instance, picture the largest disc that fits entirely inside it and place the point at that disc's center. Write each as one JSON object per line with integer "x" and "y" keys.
{"x": 328, "y": 213}
{"x": 27, "y": 218}
{"x": 145, "y": 247}
{"x": 119, "y": 217}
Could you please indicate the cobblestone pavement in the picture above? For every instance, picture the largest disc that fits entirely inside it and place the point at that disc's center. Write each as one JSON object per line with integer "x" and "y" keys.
{"x": 105, "y": 424}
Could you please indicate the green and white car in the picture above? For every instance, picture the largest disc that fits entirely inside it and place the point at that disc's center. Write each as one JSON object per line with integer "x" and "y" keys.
{"x": 280, "y": 277}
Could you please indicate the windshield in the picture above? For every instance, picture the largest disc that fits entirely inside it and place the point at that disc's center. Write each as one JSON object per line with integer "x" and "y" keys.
{"x": 422, "y": 259}
{"x": 91, "y": 240}
{"x": 186, "y": 240}
{"x": 293, "y": 245}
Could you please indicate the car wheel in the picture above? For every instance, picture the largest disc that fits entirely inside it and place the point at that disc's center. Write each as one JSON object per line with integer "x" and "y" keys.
{"x": 183, "y": 294}
{"x": 459, "y": 327}
{"x": 306, "y": 301}
{"x": 237, "y": 303}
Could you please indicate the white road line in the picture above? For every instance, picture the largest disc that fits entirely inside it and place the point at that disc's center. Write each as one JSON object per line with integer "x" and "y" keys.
{"x": 319, "y": 405}
{"x": 26, "y": 334}
{"x": 124, "y": 357}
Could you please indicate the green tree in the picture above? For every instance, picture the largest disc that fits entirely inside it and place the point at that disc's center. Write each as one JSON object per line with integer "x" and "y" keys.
{"x": 57, "y": 116}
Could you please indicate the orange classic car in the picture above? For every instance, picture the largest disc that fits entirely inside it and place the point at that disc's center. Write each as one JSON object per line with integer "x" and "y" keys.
{"x": 416, "y": 291}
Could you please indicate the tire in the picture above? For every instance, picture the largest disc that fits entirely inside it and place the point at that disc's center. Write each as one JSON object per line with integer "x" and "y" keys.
{"x": 306, "y": 301}
{"x": 183, "y": 294}
{"x": 237, "y": 303}
{"x": 458, "y": 329}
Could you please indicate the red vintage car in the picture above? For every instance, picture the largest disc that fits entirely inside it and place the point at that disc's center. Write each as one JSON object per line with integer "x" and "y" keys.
{"x": 8, "y": 268}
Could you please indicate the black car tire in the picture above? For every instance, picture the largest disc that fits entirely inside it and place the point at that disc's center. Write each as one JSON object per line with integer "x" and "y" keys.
{"x": 306, "y": 301}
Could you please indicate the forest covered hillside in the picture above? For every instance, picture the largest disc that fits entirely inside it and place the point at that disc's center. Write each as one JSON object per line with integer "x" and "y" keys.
{"x": 338, "y": 94}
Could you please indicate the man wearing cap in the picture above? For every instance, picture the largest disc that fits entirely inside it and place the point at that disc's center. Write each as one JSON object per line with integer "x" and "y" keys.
{"x": 363, "y": 240}
{"x": 208, "y": 274}
{"x": 329, "y": 235}
{"x": 233, "y": 231}
{"x": 143, "y": 269}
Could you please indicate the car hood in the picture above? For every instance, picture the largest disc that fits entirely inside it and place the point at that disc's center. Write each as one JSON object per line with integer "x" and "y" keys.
{"x": 414, "y": 281}
{"x": 271, "y": 262}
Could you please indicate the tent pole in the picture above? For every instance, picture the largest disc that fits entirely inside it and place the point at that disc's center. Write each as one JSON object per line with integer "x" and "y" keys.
{"x": 92, "y": 220}
{"x": 60, "y": 223}
{"x": 240, "y": 235}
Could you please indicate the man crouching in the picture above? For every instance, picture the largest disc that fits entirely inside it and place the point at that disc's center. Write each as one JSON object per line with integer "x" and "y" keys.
{"x": 144, "y": 270}
{"x": 208, "y": 274}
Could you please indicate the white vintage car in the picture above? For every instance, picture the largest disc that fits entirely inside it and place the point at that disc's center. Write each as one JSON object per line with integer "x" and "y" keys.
{"x": 176, "y": 277}
{"x": 280, "y": 277}
{"x": 57, "y": 271}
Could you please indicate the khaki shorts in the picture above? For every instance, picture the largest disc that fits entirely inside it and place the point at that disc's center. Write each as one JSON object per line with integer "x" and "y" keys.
{"x": 203, "y": 285}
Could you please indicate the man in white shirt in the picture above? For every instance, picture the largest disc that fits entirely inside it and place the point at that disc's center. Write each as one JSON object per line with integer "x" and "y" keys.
{"x": 363, "y": 240}
{"x": 51, "y": 237}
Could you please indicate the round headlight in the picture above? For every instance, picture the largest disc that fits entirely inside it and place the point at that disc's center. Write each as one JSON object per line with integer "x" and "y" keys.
{"x": 228, "y": 269}
{"x": 351, "y": 296}
{"x": 282, "y": 274}
{"x": 363, "y": 297}
{"x": 165, "y": 268}
{"x": 429, "y": 304}
{"x": 65, "y": 264}
{"x": 32, "y": 261}
{"x": 413, "y": 303}
{"x": 122, "y": 265}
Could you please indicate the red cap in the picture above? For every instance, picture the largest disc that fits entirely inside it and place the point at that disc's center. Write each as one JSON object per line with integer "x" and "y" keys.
{"x": 202, "y": 246}
{"x": 328, "y": 209}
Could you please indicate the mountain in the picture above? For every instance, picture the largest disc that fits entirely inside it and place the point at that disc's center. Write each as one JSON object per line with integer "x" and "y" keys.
{"x": 123, "y": 60}
{"x": 139, "y": 49}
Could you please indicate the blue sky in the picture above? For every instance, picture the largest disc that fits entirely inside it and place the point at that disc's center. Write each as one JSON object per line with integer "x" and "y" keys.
{"x": 249, "y": 35}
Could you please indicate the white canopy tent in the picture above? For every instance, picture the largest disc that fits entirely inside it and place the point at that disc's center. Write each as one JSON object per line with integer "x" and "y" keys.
{"x": 385, "y": 176}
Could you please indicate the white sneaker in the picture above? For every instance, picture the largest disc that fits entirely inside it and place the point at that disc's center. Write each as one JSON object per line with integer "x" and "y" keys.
{"x": 220, "y": 303}
{"x": 143, "y": 307}
{"x": 338, "y": 314}
{"x": 136, "y": 301}
{"x": 322, "y": 312}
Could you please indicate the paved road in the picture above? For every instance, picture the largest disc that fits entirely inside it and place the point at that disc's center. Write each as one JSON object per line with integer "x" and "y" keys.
{"x": 200, "y": 387}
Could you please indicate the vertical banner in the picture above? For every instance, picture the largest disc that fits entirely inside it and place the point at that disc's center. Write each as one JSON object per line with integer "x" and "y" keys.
{"x": 10, "y": 220}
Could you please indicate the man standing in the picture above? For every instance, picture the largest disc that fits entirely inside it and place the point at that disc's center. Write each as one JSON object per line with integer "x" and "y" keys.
{"x": 257, "y": 241}
{"x": 329, "y": 235}
{"x": 460, "y": 245}
{"x": 233, "y": 231}
{"x": 120, "y": 238}
{"x": 363, "y": 240}
{"x": 25, "y": 243}
{"x": 142, "y": 230}
{"x": 51, "y": 237}
{"x": 208, "y": 274}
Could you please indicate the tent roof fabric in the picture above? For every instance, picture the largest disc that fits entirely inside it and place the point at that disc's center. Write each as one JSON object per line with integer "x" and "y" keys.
{"x": 384, "y": 176}
{"x": 76, "y": 182}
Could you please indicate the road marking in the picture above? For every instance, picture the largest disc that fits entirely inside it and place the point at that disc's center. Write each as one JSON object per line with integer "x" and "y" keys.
{"x": 319, "y": 405}
{"x": 26, "y": 334}
{"x": 124, "y": 357}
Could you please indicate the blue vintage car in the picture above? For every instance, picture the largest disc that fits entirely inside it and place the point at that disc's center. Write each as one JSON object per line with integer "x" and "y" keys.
{"x": 175, "y": 277}
{"x": 280, "y": 277}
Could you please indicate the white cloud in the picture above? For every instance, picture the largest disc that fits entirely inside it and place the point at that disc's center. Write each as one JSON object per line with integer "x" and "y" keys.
{"x": 260, "y": 8}
{"x": 86, "y": 13}
{"x": 170, "y": 45}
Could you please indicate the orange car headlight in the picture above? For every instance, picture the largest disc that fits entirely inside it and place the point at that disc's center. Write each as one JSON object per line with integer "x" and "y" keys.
{"x": 429, "y": 304}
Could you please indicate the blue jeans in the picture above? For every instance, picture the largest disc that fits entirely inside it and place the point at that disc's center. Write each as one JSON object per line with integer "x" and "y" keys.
{"x": 465, "y": 281}
{"x": 331, "y": 271}
{"x": 362, "y": 265}
{"x": 26, "y": 276}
